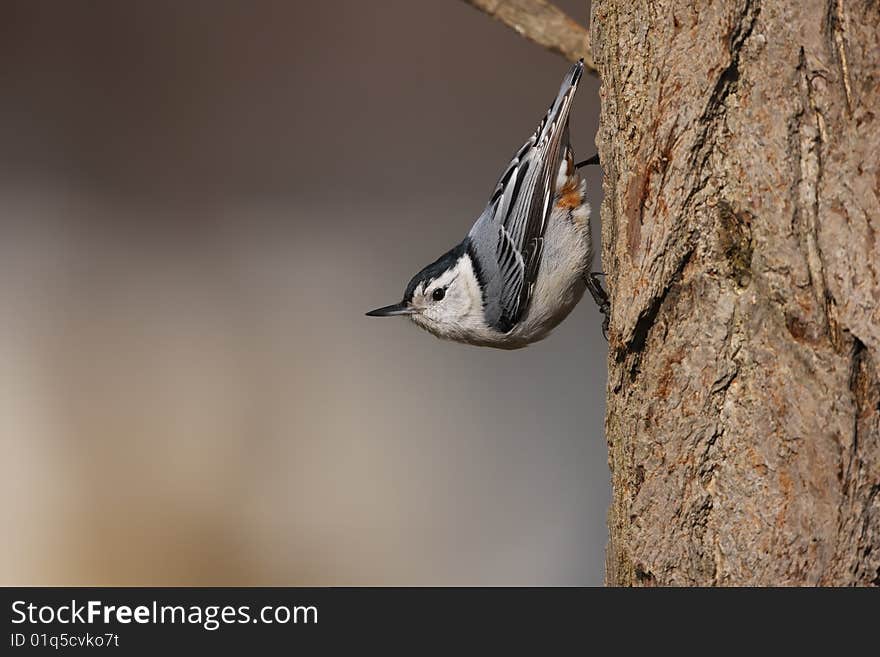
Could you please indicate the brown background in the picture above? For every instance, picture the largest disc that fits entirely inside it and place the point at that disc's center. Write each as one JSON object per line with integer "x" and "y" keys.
{"x": 198, "y": 202}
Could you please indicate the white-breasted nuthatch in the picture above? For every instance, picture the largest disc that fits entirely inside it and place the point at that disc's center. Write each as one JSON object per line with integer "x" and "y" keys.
{"x": 526, "y": 261}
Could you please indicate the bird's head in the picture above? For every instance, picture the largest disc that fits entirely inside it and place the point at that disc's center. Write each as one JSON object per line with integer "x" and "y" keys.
{"x": 444, "y": 298}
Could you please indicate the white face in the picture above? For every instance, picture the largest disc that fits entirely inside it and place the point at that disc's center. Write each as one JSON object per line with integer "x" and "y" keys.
{"x": 451, "y": 305}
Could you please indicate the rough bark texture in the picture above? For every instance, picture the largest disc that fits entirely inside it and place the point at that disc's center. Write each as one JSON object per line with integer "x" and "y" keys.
{"x": 741, "y": 224}
{"x": 544, "y": 23}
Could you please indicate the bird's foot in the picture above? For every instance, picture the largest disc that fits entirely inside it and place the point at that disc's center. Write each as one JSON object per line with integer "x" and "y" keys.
{"x": 588, "y": 162}
{"x": 600, "y": 296}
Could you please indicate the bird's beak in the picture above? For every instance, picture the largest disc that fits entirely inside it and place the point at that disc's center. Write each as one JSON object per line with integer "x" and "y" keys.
{"x": 392, "y": 310}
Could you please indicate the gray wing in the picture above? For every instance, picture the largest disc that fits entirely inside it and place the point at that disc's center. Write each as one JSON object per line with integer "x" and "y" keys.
{"x": 508, "y": 237}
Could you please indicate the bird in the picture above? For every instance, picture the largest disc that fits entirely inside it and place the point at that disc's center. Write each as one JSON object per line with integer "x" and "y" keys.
{"x": 525, "y": 263}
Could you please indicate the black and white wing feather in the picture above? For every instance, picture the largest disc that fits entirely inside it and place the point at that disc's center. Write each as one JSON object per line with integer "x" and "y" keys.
{"x": 507, "y": 239}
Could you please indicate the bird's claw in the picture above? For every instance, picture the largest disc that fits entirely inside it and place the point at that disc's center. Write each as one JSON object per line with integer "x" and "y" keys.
{"x": 600, "y": 296}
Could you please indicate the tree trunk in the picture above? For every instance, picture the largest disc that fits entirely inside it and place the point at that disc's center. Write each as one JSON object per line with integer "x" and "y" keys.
{"x": 741, "y": 224}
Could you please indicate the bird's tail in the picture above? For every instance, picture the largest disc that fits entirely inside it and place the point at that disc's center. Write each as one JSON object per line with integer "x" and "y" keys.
{"x": 570, "y": 82}
{"x": 558, "y": 112}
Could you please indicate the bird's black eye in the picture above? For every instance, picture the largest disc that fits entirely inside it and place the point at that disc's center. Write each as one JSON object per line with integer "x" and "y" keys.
{"x": 439, "y": 293}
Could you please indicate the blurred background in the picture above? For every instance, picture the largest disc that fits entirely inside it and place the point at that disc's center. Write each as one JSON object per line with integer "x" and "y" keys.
{"x": 198, "y": 203}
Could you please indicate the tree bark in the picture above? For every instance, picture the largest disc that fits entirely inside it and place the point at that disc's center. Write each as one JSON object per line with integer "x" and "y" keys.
{"x": 741, "y": 238}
